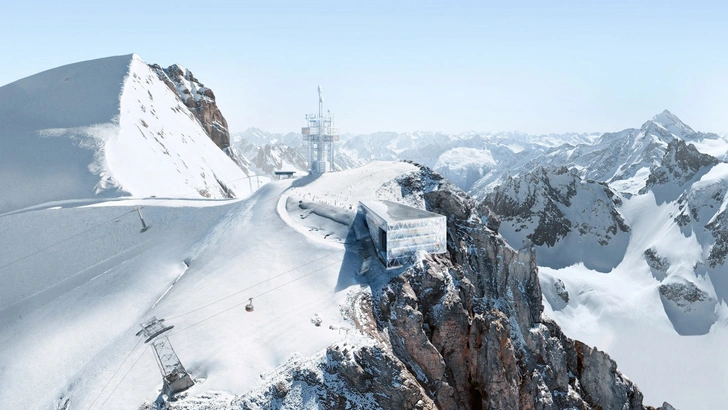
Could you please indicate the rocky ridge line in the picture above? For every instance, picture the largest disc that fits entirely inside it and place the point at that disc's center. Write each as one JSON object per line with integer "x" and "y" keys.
{"x": 200, "y": 100}
{"x": 461, "y": 330}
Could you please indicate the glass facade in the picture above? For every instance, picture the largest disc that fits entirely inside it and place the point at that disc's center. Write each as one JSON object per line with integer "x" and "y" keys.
{"x": 399, "y": 232}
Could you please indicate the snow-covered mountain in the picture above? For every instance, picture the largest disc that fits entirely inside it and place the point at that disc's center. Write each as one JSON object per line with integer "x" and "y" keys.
{"x": 259, "y": 137}
{"x": 479, "y": 162}
{"x": 464, "y": 158}
{"x": 570, "y": 220}
{"x": 271, "y": 158}
{"x": 632, "y": 261}
{"x": 623, "y": 159}
{"x": 106, "y": 128}
{"x": 462, "y": 330}
{"x": 681, "y": 164}
{"x": 663, "y": 279}
{"x": 269, "y": 152}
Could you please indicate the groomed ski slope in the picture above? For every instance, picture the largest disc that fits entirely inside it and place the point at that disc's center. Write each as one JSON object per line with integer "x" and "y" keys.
{"x": 69, "y": 322}
{"x": 108, "y": 127}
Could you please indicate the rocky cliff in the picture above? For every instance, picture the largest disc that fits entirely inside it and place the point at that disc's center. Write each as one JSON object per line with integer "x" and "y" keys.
{"x": 462, "y": 330}
{"x": 681, "y": 163}
{"x": 201, "y": 102}
{"x": 567, "y": 218}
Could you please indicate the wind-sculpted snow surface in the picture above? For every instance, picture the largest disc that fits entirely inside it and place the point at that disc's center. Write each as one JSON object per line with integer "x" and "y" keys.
{"x": 107, "y": 127}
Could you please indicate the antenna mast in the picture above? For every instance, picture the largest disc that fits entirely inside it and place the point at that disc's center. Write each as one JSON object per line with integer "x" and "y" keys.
{"x": 320, "y": 135}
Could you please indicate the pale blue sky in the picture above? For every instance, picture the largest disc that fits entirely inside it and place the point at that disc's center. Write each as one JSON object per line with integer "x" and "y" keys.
{"x": 534, "y": 66}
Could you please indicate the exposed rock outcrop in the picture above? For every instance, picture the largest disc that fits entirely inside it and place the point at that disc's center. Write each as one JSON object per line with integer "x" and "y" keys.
{"x": 200, "y": 100}
{"x": 460, "y": 330}
{"x": 658, "y": 264}
{"x": 719, "y": 229}
{"x": 561, "y": 291}
{"x": 684, "y": 294}
{"x": 681, "y": 163}
{"x": 470, "y": 327}
{"x": 690, "y": 309}
{"x": 345, "y": 377}
{"x": 548, "y": 205}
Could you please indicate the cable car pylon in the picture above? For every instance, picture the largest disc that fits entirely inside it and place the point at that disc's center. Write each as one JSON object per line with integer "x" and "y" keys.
{"x": 144, "y": 225}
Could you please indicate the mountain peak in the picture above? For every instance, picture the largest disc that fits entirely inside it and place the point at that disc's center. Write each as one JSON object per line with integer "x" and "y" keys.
{"x": 672, "y": 123}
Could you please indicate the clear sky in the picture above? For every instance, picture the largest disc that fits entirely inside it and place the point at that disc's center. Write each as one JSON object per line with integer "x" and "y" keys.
{"x": 533, "y": 66}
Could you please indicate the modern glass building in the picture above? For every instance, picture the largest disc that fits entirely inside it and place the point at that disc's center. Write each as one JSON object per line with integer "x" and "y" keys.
{"x": 399, "y": 231}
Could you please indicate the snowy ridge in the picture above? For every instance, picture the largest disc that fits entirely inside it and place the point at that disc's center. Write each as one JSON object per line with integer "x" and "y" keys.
{"x": 569, "y": 220}
{"x": 632, "y": 262}
{"x": 464, "y": 158}
{"x": 402, "y": 352}
{"x": 480, "y": 161}
{"x": 77, "y": 305}
{"x": 107, "y": 127}
{"x": 187, "y": 84}
{"x": 664, "y": 276}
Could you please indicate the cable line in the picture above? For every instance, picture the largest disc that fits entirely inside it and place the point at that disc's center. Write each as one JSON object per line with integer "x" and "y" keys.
{"x": 252, "y": 286}
{"x": 65, "y": 240}
{"x": 259, "y": 295}
{"x": 122, "y": 379}
{"x": 114, "y": 375}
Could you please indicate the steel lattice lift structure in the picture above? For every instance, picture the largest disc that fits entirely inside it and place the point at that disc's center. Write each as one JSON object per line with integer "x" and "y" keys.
{"x": 175, "y": 377}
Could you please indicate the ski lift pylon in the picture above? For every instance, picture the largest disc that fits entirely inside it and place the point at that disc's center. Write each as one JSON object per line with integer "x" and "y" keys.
{"x": 249, "y": 307}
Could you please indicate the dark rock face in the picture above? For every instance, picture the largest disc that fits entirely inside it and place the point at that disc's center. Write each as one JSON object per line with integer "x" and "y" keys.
{"x": 372, "y": 368}
{"x": 470, "y": 327}
{"x": 347, "y": 377}
{"x": 538, "y": 199}
{"x": 719, "y": 229}
{"x": 690, "y": 309}
{"x": 679, "y": 165}
{"x": 684, "y": 294}
{"x": 602, "y": 383}
{"x": 547, "y": 205}
{"x": 199, "y": 99}
{"x": 542, "y": 195}
{"x": 560, "y": 289}
{"x": 658, "y": 264}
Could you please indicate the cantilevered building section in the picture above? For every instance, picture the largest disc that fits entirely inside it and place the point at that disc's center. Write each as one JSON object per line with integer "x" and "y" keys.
{"x": 320, "y": 135}
{"x": 399, "y": 231}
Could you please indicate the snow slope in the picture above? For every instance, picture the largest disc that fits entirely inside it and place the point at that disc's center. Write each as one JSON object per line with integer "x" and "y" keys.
{"x": 568, "y": 219}
{"x": 658, "y": 306}
{"x": 661, "y": 313}
{"x": 108, "y": 128}
{"x": 71, "y": 307}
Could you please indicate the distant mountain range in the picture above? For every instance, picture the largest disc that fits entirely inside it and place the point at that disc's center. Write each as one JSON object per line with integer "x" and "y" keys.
{"x": 477, "y": 162}
{"x": 574, "y": 196}
{"x": 621, "y": 238}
